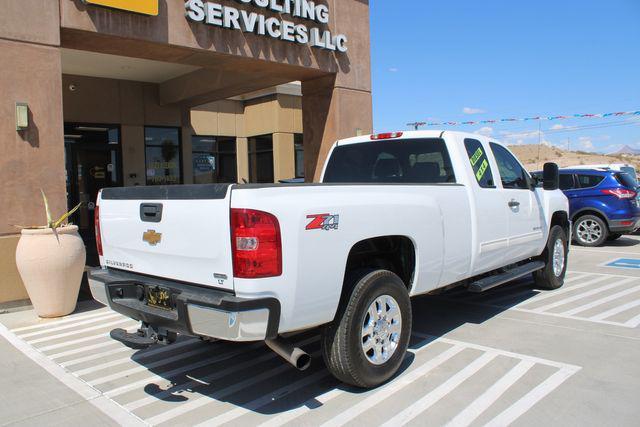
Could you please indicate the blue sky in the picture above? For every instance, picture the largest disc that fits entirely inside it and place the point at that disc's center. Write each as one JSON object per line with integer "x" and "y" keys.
{"x": 464, "y": 60}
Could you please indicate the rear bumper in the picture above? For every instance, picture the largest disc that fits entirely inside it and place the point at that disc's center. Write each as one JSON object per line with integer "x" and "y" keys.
{"x": 624, "y": 225}
{"x": 198, "y": 311}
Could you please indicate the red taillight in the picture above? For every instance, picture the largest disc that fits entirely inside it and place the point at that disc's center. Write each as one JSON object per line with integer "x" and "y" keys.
{"x": 256, "y": 244}
{"x": 96, "y": 217}
{"x": 388, "y": 135}
{"x": 620, "y": 193}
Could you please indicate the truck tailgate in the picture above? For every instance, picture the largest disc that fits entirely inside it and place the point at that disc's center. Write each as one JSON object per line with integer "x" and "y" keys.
{"x": 180, "y": 233}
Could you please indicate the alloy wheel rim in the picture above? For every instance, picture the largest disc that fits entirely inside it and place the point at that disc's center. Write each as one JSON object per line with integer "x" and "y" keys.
{"x": 381, "y": 329}
{"x": 589, "y": 231}
{"x": 558, "y": 257}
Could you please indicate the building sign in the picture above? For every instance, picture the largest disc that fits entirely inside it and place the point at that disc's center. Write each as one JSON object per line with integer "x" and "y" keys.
{"x": 145, "y": 7}
{"x": 269, "y": 26}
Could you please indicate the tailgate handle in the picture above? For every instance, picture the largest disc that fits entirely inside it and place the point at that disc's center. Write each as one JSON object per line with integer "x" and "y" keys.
{"x": 151, "y": 212}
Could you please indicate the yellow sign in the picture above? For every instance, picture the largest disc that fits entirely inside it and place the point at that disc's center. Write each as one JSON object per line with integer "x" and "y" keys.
{"x": 146, "y": 7}
{"x": 151, "y": 237}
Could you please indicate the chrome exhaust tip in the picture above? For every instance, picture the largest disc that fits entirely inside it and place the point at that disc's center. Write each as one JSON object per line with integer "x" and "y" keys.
{"x": 297, "y": 357}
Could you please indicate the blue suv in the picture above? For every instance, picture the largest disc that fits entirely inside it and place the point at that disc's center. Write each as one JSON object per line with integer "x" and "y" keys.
{"x": 603, "y": 204}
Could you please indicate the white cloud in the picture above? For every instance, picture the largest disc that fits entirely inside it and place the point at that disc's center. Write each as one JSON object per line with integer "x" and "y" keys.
{"x": 393, "y": 70}
{"x": 557, "y": 127}
{"x": 486, "y": 131}
{"x": 585, "y": 143}
{"x": 470, "y": 110}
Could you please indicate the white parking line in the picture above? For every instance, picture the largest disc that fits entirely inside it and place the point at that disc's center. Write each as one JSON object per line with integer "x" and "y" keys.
{"x": 78, "y": 331}
{"x": 598, "y": 283}
{"x": 525, "y": 403}
{"x": 192, "y": 385}
{"x": 200, "y": 401}
{"x": 82, "y": 349}
{"x": 69, "y": 326}
{"x": 383, "y": 392}
{"x": 616, "y": 310}
{"x": 580, "y": 296}
{"x": 112, "y": 363}
{"x": 94, "y": 397}
{"x": 427, "y": 401}
{"x": 76, "y": 341}
{"x": 264, "y": 400}
{"x": 601, "y": 301}
{"x": 137, "y": 356}
{"x": 185, "y": 368}
{"x": 68, "y": 319}
{"x": 492, "y": 394}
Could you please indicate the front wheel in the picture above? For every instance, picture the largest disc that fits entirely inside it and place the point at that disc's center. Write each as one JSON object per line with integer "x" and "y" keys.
{"x": 555, "y": 258}
{"x": 366, "y": 343}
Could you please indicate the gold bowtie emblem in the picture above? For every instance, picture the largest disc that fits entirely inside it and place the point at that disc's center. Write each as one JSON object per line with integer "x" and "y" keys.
{"x": 151, "y": 237}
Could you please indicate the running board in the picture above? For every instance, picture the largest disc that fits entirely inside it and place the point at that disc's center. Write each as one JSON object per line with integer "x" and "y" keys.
{"x": 502, "y": 278}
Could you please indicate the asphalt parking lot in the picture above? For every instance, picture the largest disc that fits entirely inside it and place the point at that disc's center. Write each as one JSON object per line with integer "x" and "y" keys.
{"x": 513, "y": 355}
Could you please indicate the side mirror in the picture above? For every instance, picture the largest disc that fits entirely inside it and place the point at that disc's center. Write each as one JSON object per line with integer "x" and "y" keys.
{"x": 551, "y": 177}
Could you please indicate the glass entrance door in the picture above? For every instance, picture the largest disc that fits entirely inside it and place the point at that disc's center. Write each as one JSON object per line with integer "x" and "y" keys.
{"x": 93, "y": 160}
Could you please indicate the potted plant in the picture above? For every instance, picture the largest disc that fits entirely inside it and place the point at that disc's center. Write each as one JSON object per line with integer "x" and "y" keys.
{"x": 51, "y": 262}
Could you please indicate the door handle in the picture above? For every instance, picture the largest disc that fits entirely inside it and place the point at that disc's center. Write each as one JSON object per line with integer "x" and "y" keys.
{"x": 514, "y": 203}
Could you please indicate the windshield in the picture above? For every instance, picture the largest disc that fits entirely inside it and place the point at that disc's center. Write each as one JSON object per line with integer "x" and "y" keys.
{"x": 407, "y": 161}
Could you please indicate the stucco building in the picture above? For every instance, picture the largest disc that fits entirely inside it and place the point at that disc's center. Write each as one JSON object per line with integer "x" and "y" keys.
{"x": 168, "y": 92}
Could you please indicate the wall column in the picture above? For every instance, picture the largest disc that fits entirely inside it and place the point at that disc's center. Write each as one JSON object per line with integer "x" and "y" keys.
{"x": 242, "y": 157}
{"x": 283, "y": 156}
{"x": 329, "y": 113}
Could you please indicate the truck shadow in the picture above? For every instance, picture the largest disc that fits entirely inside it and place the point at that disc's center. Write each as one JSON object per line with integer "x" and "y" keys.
{"x": 252, "y": 377}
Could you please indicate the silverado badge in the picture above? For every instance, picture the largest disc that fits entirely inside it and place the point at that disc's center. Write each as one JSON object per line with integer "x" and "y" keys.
{"x": 151, "y": 237}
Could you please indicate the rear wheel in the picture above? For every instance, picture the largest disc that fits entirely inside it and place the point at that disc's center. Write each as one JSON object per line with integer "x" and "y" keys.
{"x": 366, "y": 343}
{"x": 555, "y": 258}
{"x": 590, "y": 231}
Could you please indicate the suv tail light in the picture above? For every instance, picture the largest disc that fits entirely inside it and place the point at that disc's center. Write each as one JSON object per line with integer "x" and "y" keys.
{"x": 256, "y": 244}
{"x": 96, "y": 216}
{"x": 620, "y": 193}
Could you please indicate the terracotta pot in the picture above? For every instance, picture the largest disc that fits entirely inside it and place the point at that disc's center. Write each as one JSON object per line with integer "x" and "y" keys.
{"x": 51, "y": 268}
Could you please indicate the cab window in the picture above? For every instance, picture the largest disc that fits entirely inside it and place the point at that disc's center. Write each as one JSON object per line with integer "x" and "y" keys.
{"x": 511, "y": 173}
{"x": 479, "y": 163}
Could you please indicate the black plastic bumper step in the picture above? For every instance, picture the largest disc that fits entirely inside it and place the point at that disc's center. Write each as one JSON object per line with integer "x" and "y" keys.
{"x": 499, "y": 279}
{"x": 134, "y": 341}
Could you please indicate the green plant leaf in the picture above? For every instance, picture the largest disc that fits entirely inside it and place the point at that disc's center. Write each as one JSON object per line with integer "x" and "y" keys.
{"x": 46, "y": 207}
{"x": 65, "y": 216}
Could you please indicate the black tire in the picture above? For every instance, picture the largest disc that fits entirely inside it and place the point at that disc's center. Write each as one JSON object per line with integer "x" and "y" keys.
{"x": 614, "y": 236}
{"x": 342, "y": 341}
{"x": 547, "y": 277}
{"x": 587, "y": 221}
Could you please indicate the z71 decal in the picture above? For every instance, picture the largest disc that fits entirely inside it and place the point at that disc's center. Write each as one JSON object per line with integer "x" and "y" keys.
{"x": 323, "y": 222}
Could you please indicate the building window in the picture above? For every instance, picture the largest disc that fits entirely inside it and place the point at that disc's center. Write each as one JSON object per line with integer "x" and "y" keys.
{"x": 214, "y": 159}
{"x": 261, "y": 159}
{"x": 299, "y": 153}
{"x": 162, "y": 151}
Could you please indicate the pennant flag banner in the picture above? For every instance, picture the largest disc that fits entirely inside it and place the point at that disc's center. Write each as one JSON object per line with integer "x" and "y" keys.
{"x": 526, "y": 119}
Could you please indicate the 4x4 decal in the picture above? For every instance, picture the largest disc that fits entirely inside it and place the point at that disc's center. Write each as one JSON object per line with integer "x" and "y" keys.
{"x": 323, "y": 222}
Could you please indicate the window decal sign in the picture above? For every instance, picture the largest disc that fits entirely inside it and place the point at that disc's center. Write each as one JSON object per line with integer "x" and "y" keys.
{"x": 145, "y": 7}
{"x": 479, "y": 163}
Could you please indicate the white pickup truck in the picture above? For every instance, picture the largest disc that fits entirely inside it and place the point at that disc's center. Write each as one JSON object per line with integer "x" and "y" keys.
{"x": 396, "y": 215}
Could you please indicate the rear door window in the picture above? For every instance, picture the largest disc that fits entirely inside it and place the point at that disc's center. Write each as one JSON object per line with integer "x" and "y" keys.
{"x": 566, "y": 182}
{"x": 589, "y": 181}
{"x": 410, "y": 161}
{"x": 479, "y": 163}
